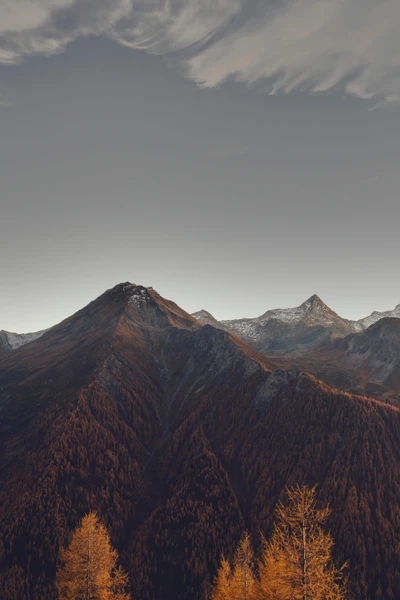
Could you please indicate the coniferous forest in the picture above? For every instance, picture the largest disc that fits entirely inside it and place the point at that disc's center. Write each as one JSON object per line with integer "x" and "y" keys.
{"x": 180, "y": 439}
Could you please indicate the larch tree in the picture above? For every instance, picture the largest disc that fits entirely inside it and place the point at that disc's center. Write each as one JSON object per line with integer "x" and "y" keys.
{"x": 296, "y": 563}
{"x": 237, "y": 581}
{"x": 223, "y": 580}
{"x": 243, "y": 578}
{"x": 88, "y": 567}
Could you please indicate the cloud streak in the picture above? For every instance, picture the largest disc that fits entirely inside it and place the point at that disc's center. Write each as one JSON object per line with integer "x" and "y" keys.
{"x": 314, "y": 45}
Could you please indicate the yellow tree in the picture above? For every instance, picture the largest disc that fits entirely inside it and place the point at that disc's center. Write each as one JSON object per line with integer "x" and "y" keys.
{"x": 237, "y": 582}
{"x": 297, "y": 563}
{"x": 243, "y": 579}
{"x": 222, "y": 586}
{"x": 88, "y": 567}
{"x": 269, "y": 570}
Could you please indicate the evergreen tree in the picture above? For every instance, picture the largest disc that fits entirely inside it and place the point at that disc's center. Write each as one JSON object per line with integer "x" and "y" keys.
{"x": 88, "y": 567}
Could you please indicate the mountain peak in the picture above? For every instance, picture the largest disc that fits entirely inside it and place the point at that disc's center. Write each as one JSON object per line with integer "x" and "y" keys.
{"x": 315, "y": 298}
{"x": 130, "y": 294}
{"x": 313, "y": 302}
{"x": 203, "y": 314}
{"x": 138, "y": 295}
{"x": 202, "y": 311}
{"x": 207, "y": 318}
{"x": 316, "y": 312}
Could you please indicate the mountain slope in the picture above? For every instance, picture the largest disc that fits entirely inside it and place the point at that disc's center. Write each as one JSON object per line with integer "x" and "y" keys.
{"x": 180, "y": 436}
{"x": 365, "y": 362}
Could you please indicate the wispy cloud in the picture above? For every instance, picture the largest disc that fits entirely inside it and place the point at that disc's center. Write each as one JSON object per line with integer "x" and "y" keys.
{"x": 290, "y": 44}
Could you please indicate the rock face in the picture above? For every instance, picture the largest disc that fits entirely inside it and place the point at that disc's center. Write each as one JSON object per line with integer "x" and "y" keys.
{"x": 365, "y": 363}
{"x": 376, "y": 350}
{"x": 180, "y": 436}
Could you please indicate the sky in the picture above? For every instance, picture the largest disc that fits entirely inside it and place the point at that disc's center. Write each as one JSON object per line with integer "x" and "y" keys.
{"x": 236, "y": 155}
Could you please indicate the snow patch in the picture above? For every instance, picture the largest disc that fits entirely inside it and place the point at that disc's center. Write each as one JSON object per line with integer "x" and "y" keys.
{"x": 16, "y": 340}
{"x": 312, "y": 312}
{"x": 375, "y": 317}
{"x": 139, "y": 297}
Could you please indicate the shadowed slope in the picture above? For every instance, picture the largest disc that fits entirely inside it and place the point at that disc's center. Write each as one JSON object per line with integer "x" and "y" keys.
{"x": 367, "y": 362}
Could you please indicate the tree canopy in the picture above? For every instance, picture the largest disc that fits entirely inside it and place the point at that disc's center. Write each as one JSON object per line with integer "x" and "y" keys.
{"x": 88, "y": 567}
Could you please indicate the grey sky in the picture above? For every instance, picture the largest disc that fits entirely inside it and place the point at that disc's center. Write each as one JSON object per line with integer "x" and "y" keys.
{"x": 115, "y": 165}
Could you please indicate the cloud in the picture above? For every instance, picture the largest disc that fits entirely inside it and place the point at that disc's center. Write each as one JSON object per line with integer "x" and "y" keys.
{"x": 314, "y": 45}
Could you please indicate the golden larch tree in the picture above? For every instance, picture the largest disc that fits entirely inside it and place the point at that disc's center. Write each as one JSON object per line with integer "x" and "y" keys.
{"x": 243, "y": 578}
{"x": 88, "y": 567}
{"x": 296, "y": 563}
{"x": 223, "y": 580}
{"x": 237, "y": 581}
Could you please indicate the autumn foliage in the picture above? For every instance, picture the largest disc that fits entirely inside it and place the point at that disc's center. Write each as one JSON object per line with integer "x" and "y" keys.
{"x": 88, "y": 567}
{"x": 237, "y": 581}
{"x": 180, "y": 441}
{"x": 296, "y": 563}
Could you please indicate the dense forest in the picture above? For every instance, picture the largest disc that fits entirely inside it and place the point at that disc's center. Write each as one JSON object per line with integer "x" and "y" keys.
{"x": 296, "y": 562}
{"x": 180, "y": 439}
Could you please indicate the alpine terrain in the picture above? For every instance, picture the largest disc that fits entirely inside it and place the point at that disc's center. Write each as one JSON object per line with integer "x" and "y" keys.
{"x": 358, "y": 356}
{"x": 180, "y": 436}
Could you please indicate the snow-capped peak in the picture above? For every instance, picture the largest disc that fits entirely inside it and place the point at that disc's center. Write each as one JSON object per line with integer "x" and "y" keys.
{"x": 374, "y": 317}
{"x": 313, "y": 310}
{"x": 311, "y": 313}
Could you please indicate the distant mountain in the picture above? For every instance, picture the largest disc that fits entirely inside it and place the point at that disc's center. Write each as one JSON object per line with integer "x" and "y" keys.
{"x": 11, "y": 341}
{"x": 367, "y": 362}
{"x": 207, "y": 319}
{"x": 375, "y": 351}
{"x": 181, "y": 436}
{"x": 288, "y": 331}
{"x": 359, "y": 356}
{"x": 374, "y": 317}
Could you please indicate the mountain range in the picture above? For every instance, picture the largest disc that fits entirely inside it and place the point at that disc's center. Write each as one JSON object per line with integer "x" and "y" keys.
{"x": 313, "y": 315}
{"x": 181, "y": 435}
{"x": 267, "y": 331}
{"x": 358, "y": 356}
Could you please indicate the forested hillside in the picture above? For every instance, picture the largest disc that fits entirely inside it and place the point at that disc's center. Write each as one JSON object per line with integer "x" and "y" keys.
{"x": 180, "y": 437}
